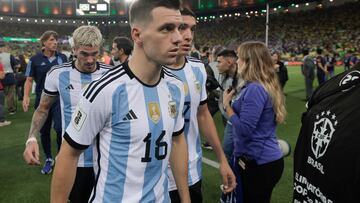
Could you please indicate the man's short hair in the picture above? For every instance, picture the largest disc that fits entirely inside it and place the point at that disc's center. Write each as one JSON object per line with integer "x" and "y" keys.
{"x": 87, "y": 35}
{"x": 140, "y": 10}
{"x": 46, "y": 35}
{"x": 227, "y": 53}
{"x": 124, "y": 43}
{"x": 319, "y": 51}
{"x": 187, "y": 12}
{"x": 305, "y": 52}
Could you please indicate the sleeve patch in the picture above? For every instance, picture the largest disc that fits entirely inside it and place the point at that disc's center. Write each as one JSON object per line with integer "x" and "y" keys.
{"x": 79, "y": 118}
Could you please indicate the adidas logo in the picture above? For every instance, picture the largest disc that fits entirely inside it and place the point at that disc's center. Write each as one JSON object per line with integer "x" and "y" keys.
{"x": 43, "y": 64}
{"x": 70, "y": 87}
{"x": 130, "y": 116}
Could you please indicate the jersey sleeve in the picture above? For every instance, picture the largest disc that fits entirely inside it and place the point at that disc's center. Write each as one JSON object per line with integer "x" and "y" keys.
{"x": 30, "y": 69}
{"x": 88, "y": 120}
{"x": 180, "y": 124}
{"x": 203, "y": 93}
{"x": 51, "y": 86}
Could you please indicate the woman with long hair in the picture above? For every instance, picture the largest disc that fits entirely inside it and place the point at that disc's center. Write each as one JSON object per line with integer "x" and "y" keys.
{"x": 255, "y": 113}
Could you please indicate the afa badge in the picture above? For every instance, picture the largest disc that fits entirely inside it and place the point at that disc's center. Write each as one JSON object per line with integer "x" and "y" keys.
{"x": 197, "y": 86}
{"x": 172, "y": 109}
{"x": 186, "y": 88}
{"x": 154, "y": 111}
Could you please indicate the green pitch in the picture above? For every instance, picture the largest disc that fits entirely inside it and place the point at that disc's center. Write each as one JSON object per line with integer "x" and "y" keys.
{"x": 22, "y": 183}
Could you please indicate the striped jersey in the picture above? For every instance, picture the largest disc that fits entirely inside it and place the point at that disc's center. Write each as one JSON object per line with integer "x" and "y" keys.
{"x": 132, "y": 124}
{"x": 67, "y": 82}
{"x": 193, "y": 75}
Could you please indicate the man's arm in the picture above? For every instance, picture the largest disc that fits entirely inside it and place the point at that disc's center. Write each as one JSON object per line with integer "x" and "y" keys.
{"x": 179, "y": 166}
{"x": 31, "y": 153}
{"x": 64, "y": 173}
{"x": 208, "y": 129}
{"x": 27, "y": 90}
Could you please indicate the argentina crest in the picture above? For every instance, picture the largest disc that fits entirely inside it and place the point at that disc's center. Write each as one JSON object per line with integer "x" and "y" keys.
{"x": 154, "y": 111}
{"x": 172, "y": 109}
{"x": 324, "y": 128}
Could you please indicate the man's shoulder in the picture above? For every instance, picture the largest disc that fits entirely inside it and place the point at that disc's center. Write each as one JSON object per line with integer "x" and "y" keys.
{"x": 57, "y": 69}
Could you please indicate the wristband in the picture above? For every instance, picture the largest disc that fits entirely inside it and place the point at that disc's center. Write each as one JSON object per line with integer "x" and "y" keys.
{"x": 31, "y": 139}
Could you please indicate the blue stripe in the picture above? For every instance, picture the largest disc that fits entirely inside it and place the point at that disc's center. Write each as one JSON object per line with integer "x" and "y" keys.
{"x": 153, "y": 170}
{"x": 59, "y": 60}
{"x": 28, "y": 69}
{"x": 64, "y": 81}
{"x": 199, "y": 77}
{"x": 187, "y": 109}
{"x": 88, "y": 153}
{"x": 119, "y": 147}
{"x": 176, "y": 96}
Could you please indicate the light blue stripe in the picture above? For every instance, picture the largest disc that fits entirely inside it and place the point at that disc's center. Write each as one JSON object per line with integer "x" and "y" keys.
{"x": 199, "y": 77}
{"x": 28, "y": 69}
{"x": 153, "y": 170}
{"x": 88, "y": 153}
{"x": 64, "y": 81}
{"x": 59, "y": 60}
{"x": 175, "y": 95}
{"x": 119, "y": 147}
{"x": 187, "y": 108}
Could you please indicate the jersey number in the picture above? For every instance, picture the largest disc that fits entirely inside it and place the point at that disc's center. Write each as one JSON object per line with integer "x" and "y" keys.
{"x": 159, "y": 145}
{"x": 186, "y": 109}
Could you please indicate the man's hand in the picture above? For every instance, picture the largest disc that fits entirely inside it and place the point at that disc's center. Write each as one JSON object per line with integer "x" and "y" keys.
{"x": 228, "y": 177}
{"x": 31, "y": 153}
{"x": 26, "y": 103}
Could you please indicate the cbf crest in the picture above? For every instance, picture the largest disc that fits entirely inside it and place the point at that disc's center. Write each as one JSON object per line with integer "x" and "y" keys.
{"x": 324, "y": 128}
{"x": 172, "y": 109}
{"x": 154, "y": 111}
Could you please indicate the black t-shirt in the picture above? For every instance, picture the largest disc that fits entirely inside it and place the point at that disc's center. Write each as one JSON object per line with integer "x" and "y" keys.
{"x": 327, "y": 153}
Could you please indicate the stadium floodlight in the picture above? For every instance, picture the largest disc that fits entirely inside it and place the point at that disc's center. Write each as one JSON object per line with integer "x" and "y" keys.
{"x": 307, "y": 4}
{"x": 1, "y": 18}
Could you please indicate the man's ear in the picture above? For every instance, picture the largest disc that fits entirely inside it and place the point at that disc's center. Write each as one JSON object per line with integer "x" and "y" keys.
{"x": 136, "y": 36}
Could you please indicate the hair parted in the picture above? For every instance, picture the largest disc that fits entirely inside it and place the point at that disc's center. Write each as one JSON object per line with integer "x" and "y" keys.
{"x": 258, "y": 66}
{"x": 140, "y": 10}
{"x": 46, "y": 35}
{"x": 124, "y": 43}
{"x": 87, "y": 35}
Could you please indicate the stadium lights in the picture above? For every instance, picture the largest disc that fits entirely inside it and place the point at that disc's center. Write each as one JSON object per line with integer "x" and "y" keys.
{"x": 19, "y": 19}
{"x": 1, "y": 18}
{"x": 307, "y": 4}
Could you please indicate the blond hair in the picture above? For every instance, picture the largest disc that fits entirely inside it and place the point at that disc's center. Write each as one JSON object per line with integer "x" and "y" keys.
{"x": 87, "y": 35}
{"x": 258, "y": 66}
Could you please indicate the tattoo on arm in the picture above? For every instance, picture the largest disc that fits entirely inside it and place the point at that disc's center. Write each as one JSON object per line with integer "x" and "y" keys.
{"x": 41, "y": 114}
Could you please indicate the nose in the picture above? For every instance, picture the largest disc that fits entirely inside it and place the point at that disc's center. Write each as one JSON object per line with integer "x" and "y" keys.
{"x": 177, "y": 38}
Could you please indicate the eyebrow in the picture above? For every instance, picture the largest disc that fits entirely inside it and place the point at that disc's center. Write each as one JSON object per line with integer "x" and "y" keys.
{"x": 89, "y": 53}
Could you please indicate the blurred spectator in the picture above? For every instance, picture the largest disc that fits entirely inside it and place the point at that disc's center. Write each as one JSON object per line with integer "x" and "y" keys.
{"x": 9, "y": 82}
{"x": 20, "y": 77}
{"x": 330, "y": 65}
{"x": 321, "y": 71}
{"x": 3, "y": 122}
{"x": 121, "y": 50}
{"x": 280, "y": 69}
{"x": 195, "y": 51}
{"x": 308, "y": 70}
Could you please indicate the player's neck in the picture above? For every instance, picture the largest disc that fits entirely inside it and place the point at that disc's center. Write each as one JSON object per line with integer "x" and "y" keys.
{"x": 180, "y": 61}
{"x": 48, "y": 53}
{"x": 147, "y": 71}
{"x": 123, "y": 58}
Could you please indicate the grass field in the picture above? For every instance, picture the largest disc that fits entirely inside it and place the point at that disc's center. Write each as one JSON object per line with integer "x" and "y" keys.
{"x": 22, "y": 183}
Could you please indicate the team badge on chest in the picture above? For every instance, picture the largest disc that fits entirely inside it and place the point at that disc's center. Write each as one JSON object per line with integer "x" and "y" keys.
{"x": 154, "y": 111}
{"x": 172, "y": 109}
{"x": 197, "y": 86}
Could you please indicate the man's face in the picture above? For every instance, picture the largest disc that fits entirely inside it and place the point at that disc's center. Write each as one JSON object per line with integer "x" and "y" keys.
{"x": 160, "y": 38}
{"x": 187, "y": 30}
{"x": 222, "y": 65}
{"x": 115, "y": 52}
{"x": 51, "y": 44}
{"x": 87, "y": 57}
